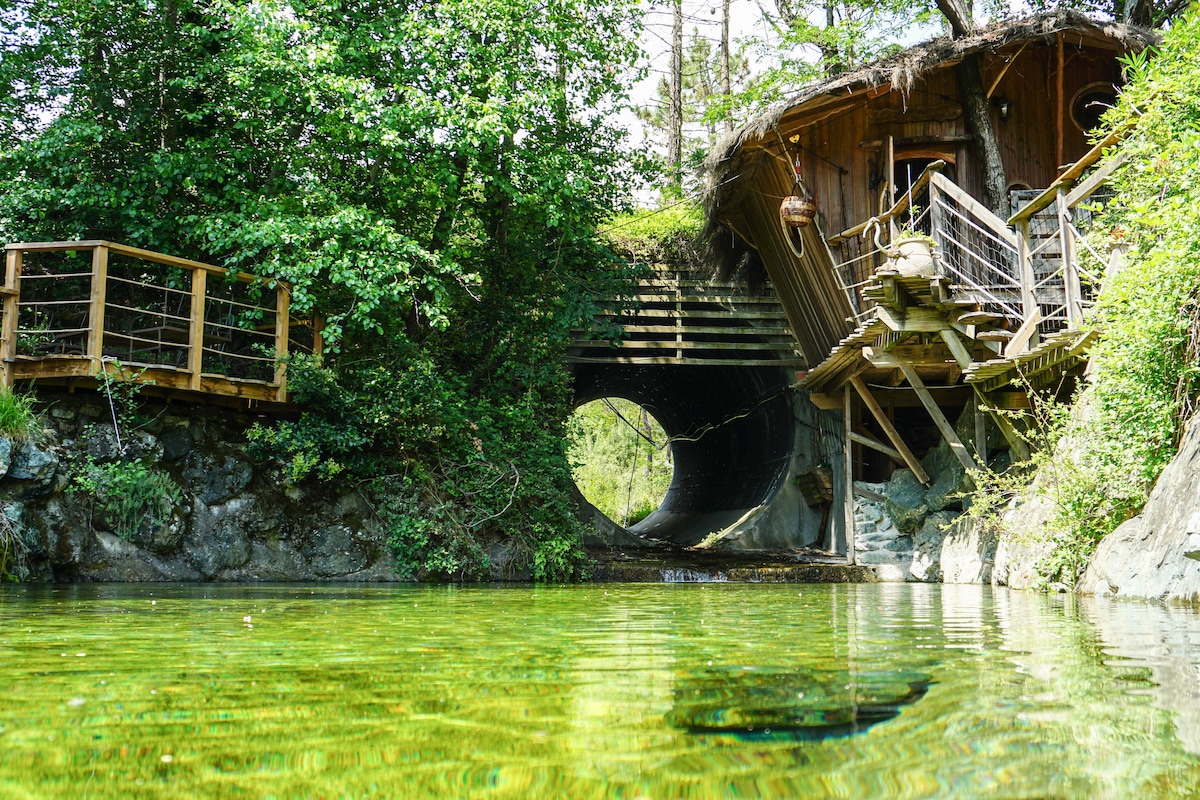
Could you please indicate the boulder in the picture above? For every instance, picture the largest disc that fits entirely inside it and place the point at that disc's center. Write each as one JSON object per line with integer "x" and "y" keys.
{"x": 906, "y": 501}
{"x": 1157, "y": 554}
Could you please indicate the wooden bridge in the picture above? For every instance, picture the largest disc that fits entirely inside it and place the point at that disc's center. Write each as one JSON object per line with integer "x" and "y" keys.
{"x": 683, "y": 318}
{"x": 80, "y": 312}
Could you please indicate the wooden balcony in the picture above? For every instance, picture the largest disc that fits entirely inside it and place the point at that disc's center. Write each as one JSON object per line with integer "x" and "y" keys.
{"x": 87, "y": 311}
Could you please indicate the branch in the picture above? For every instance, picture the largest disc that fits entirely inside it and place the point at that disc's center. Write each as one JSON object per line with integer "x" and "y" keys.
{"x": 957, "y": 15}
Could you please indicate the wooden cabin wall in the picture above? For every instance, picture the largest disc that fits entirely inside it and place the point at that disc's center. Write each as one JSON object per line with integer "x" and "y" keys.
{"x": 842, "y": 140}
{"x": 1029, "y": 137}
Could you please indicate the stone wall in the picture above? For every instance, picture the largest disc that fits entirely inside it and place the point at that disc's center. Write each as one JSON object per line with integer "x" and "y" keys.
{"x": 228, "y": 518}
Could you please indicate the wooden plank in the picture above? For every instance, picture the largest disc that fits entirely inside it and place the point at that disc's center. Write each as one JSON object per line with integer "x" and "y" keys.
{"x": 961, "y": 354}
{"x": 1095, "y": 180}
{"x": 889, "y": 430}
{"x": 914, "y": 319}
{"x": 825, "y": 402}
{"x": 282, "y": 313}
{"x": 95, "y": 342}
{"x": 694, "y": 329}
{"x": 1061, "y": 117}
{"x": 196, "y": 327}
{"x": 879, "y": 446}
{"x": 8, "y": 326}
{"x": 1024, "y": 335}
{"x": 1070, "y": 265}
{"x": 1015, "y": 441}
{"x": 935, "y": 413}
{"x": 848, "y": 474}
{"x": 671, "y": 361}
{"x": 686, "y": 344}
{"x": 1025, "y": 268}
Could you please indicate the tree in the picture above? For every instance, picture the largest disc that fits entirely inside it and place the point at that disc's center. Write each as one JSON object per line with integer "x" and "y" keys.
{"x": 428, "y": 175}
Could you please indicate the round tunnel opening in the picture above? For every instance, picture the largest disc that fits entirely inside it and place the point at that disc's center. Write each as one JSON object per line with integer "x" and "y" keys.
{"x": 731, "y": 429}
{"x": 620, "y": 459}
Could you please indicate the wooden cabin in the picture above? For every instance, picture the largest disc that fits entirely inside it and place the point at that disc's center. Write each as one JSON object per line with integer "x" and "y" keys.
{"x": 888, "y": 148}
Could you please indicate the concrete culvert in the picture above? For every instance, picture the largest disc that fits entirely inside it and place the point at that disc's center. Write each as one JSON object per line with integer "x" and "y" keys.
{"x": 732, "y": 431}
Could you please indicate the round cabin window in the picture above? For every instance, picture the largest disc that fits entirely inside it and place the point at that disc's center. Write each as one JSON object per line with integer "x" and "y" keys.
{"x": 1090, "y": 103}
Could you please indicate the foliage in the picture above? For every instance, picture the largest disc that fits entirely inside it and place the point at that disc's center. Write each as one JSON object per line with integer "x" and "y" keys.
{"x": 18, "y": 421}
{"x": 13, "y": 549}
{"x": 617, "y": 470}
{"x": 430, "y": 176}
{"x": 129, "y": 494}
{"x": 667, "y": 235}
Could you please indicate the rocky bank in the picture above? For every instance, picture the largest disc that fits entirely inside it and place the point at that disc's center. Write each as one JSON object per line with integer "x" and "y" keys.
{"x": 222, "y": 515}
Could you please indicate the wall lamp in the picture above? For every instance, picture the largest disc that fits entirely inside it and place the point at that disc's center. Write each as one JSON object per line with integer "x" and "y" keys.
{"x": 1004, "y": 106}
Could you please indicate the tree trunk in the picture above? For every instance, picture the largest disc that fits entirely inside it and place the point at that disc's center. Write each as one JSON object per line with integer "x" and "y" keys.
{"x": 975, "y": 109}
{"x": 725, "y": 85}
{"x": 979, "y": 127}
{"x": 675, "y": 109}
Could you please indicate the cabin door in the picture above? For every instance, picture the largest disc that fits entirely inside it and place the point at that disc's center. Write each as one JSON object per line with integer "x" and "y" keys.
{"x": 906, "y": 169}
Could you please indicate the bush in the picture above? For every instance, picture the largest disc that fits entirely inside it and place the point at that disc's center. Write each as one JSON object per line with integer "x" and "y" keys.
{"x": 128, "y": 494}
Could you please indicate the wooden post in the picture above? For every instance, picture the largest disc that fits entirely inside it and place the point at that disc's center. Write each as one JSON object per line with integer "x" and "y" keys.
{"x": 196, "y": 328}
{"x": 848, "y": 421}
{"x": 12, "y": 309}
{"x": 1072, "y": 292}
{"x": 1025, "y": 267}
{"x": 95, "y": 344}
{"x": 935, "y": 413}
{"x": 889, "y": 429}
{"x": 1015, "y": 442}
{"x": 282, "y": 318}
{"x": 1062, "y": 101}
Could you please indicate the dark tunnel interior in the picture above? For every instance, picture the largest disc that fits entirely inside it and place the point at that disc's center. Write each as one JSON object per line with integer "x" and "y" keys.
{"x": 736, "y": 430}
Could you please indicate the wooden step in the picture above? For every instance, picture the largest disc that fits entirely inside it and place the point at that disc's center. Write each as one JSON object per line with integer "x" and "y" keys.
{"x": 993, "y": 336}
{"x": 983, "y": 318}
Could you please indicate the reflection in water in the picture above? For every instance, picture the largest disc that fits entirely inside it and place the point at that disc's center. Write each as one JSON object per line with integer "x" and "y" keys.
{"x": 810, "y": 705}
{"x": 593, "y": 691}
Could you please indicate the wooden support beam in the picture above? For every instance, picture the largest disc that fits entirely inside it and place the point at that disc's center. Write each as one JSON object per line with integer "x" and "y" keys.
{"x": 875, "y": 444}
{"x": 8, "y": 326}
{"x": 935, "y": 413}
{"x": 848, "y": 500}
{"x": 196, "y": 328}
{"x": 95, "y": 342}
{"x": 961, "y": 354}
{"x": 1024, "y": 335}
{"x": 889, "y": 429}
{"x": 914, "y": 319}
{"x": 1016, "y": 442}
{"x": 1025, "y": 270}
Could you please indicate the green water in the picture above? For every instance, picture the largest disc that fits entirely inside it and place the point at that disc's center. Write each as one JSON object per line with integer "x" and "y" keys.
{"x": 624, "y": 691}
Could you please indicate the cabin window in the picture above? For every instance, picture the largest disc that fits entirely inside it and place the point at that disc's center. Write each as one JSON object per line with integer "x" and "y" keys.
{"x": 1090, "y": 102}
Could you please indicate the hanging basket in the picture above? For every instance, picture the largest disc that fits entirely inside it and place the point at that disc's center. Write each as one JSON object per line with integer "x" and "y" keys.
{"x": 796, "y": 211}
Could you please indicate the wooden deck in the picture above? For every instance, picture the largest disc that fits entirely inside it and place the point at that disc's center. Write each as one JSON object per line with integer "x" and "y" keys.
{"x": 78, "y": 313}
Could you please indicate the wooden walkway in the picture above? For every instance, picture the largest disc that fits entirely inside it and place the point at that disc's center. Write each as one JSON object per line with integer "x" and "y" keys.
{"x": 77, "y": 313}
{"x": 681, "y": 318}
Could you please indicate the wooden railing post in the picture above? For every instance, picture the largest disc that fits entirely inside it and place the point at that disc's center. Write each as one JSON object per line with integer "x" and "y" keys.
{"x": 196, "y": 328}
{"x": 1073, "y": 294}
{"x": 848, "y": 474}
{"x": 1029, "y": 305}
{"x": 8, "y": 328}
{"x": 282, "y": 312}
{"x": 95, "y": 342}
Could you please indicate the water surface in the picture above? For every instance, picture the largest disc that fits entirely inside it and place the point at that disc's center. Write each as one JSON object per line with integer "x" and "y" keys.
{"x": 625, "y": 691}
